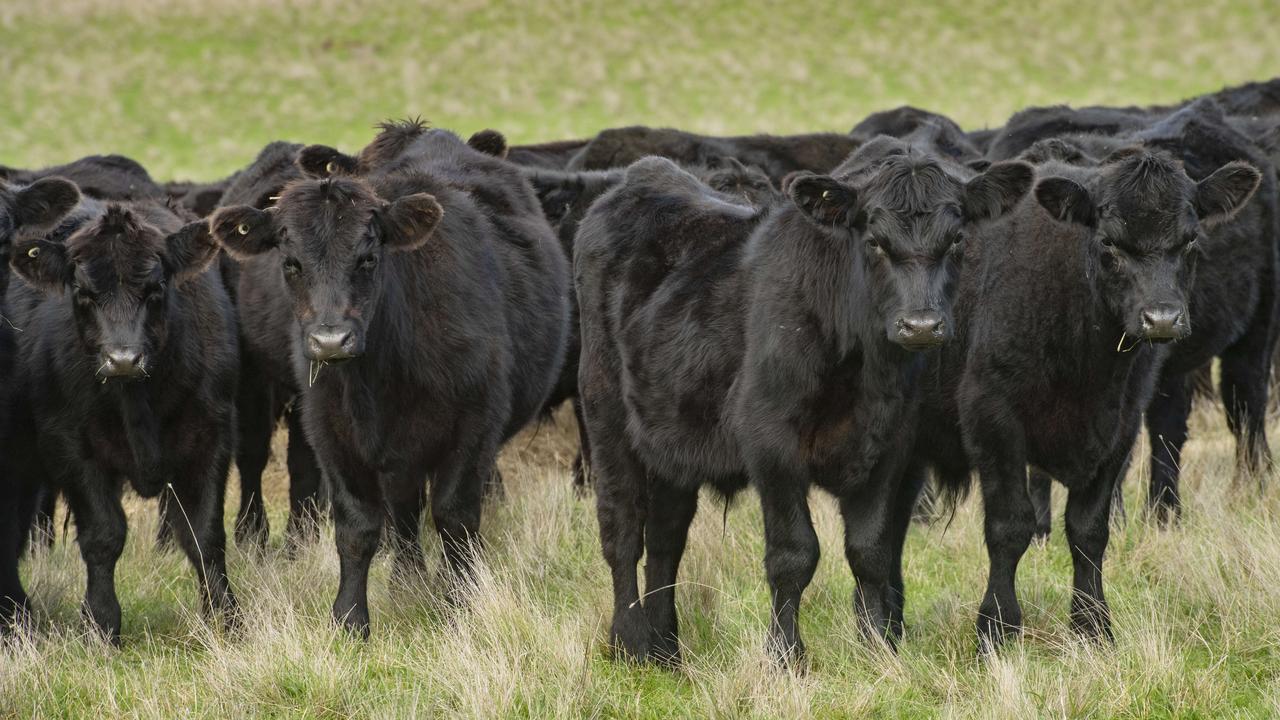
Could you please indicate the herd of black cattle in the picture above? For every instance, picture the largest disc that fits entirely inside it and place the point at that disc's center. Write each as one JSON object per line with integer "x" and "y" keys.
{"x": 857, "y": 312}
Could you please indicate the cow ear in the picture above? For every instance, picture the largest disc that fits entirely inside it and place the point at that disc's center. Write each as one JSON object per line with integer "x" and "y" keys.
{"x": 45, "y": 202}
{"x": 322, "y": 161}
{"x": 409, "y": 221}
{"x": 823, "y": 199}
{"x": 1066, "y": 200}
{"x": 556, "y": 193}
{"x": 1222, "y": 194}
{"x": 189, "y": 251}
{"x": 997, "y": 190}
{"x": 489, "y": 142}
{"x": 785, "y": 184}
{"x": 41, "y": 263}
{"x": 244, "y": 231}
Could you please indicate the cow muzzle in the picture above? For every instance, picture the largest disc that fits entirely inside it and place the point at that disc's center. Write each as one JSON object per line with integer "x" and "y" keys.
{"x": 333, "y": 344}
{"x": 920, "y": 330}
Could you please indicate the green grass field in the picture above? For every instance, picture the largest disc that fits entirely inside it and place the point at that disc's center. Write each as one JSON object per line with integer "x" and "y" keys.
{"x": 193, "y": 88}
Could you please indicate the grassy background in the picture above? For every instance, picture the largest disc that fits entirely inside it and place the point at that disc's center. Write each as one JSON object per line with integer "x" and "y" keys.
{"x": 193, "y": 88}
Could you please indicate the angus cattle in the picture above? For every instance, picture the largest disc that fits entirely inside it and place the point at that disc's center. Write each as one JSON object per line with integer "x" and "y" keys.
{"x": 901, "y": 122}
{"x": 104, "y": 177}
{"x": 981, "y": 139}
{"x": 268, "y": 385}
{"x": 200, "y": 199}
{"x": 565, "y": 199}
{"x": 1059, "y": 313}
{"x": 429, "y": 304}
{"x": 547, "y": 156}
{"x": 1234, "y": 298}
{"x": 777, "y": 155}
{"x": 1252, "y": 99}
{"x": 1029, "y": 126}
{"x": 26, "y": 211}
{"x": 130, "y": 378}
{"x": 724, "y": 344}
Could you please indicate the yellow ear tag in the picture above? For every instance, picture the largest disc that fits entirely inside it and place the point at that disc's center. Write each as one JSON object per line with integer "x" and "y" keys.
{"x": 242, "y": 228}
{"x": 33, "y": 253}
{"x": 331, "y": 167}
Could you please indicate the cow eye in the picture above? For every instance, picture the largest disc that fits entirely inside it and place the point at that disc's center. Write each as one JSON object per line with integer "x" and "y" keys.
{"x": 876, "y": 245}
{"x": 292, "y": 268}
{"x": 155, "y": 291}
{"x": 367, "y": 262}
{"x": 1108, "y": 243}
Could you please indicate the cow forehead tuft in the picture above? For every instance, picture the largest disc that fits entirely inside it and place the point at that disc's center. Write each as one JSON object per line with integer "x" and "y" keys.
{"x": 912, "y": 184}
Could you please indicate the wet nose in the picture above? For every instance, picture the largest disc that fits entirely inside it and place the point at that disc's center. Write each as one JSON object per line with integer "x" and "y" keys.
{"x": 921, "y": 330}
{"x": 121, "y": 361}
{"x": 329, "y": 343}
{"x": 1164, "y": 321}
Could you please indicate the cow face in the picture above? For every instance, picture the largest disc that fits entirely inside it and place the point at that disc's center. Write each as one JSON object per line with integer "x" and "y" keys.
{"x": 120, "y": 273}
{"x": 1146, "y": 223}
{"x": 332, "y": 238}
{"x": 731, "y": 177}
{"x": 907, "y": 218}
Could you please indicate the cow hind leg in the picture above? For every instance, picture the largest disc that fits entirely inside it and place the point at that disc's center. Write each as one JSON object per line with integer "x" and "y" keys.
{"x": 1167, "y": 431}
{"x": 902, "y": 514}
{"x": 1245, "y": 371}
{"x": 405, "y": 498}
{"x": 304, "y": 487}
{"x": 621, "y": 508}
{"x": 1040, "y": 488}
{"x": 256, "y": 421}
{"x": 666, "y": 533}
{"x": 194, "y": 512}
{"x": 457, "y": 499}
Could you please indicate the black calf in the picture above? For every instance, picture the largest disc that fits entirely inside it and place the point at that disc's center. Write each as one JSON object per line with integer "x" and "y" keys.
{"x": 129, "y": 369}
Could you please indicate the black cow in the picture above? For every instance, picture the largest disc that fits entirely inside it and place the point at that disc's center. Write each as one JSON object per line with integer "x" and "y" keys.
{"x": 104, "y": 177}
{"x": 777, "y": 155}
{"x": 1233, "y": 302}
{"x": 547, "y": 156}
{"x": 724, "y": 344}
{"x": 27, "y": 211}
{"x": 430, "y": 306}
{"x": 565, "y": 199}
{"x": 130, "y": 369}
{"x": 1059, "y": 310}
{"x": 268, "y": 385}
{"x": 1029, "y": 126}
{"x": 201, "y": 199}
{"x": 902, "y": 122}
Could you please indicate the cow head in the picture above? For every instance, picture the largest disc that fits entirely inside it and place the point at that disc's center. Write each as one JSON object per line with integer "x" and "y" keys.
{"x": 907, "y": 217}
{"x": 34, "y": 209}
{"x": 120, "y": 272}
{"x": 332, "y": 238}
{"x": 729, "y": 176}
{"x": 1146, "y": 219}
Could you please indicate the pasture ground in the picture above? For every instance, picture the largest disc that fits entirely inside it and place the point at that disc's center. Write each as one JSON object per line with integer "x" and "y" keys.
{"x": 192, "y": 88}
